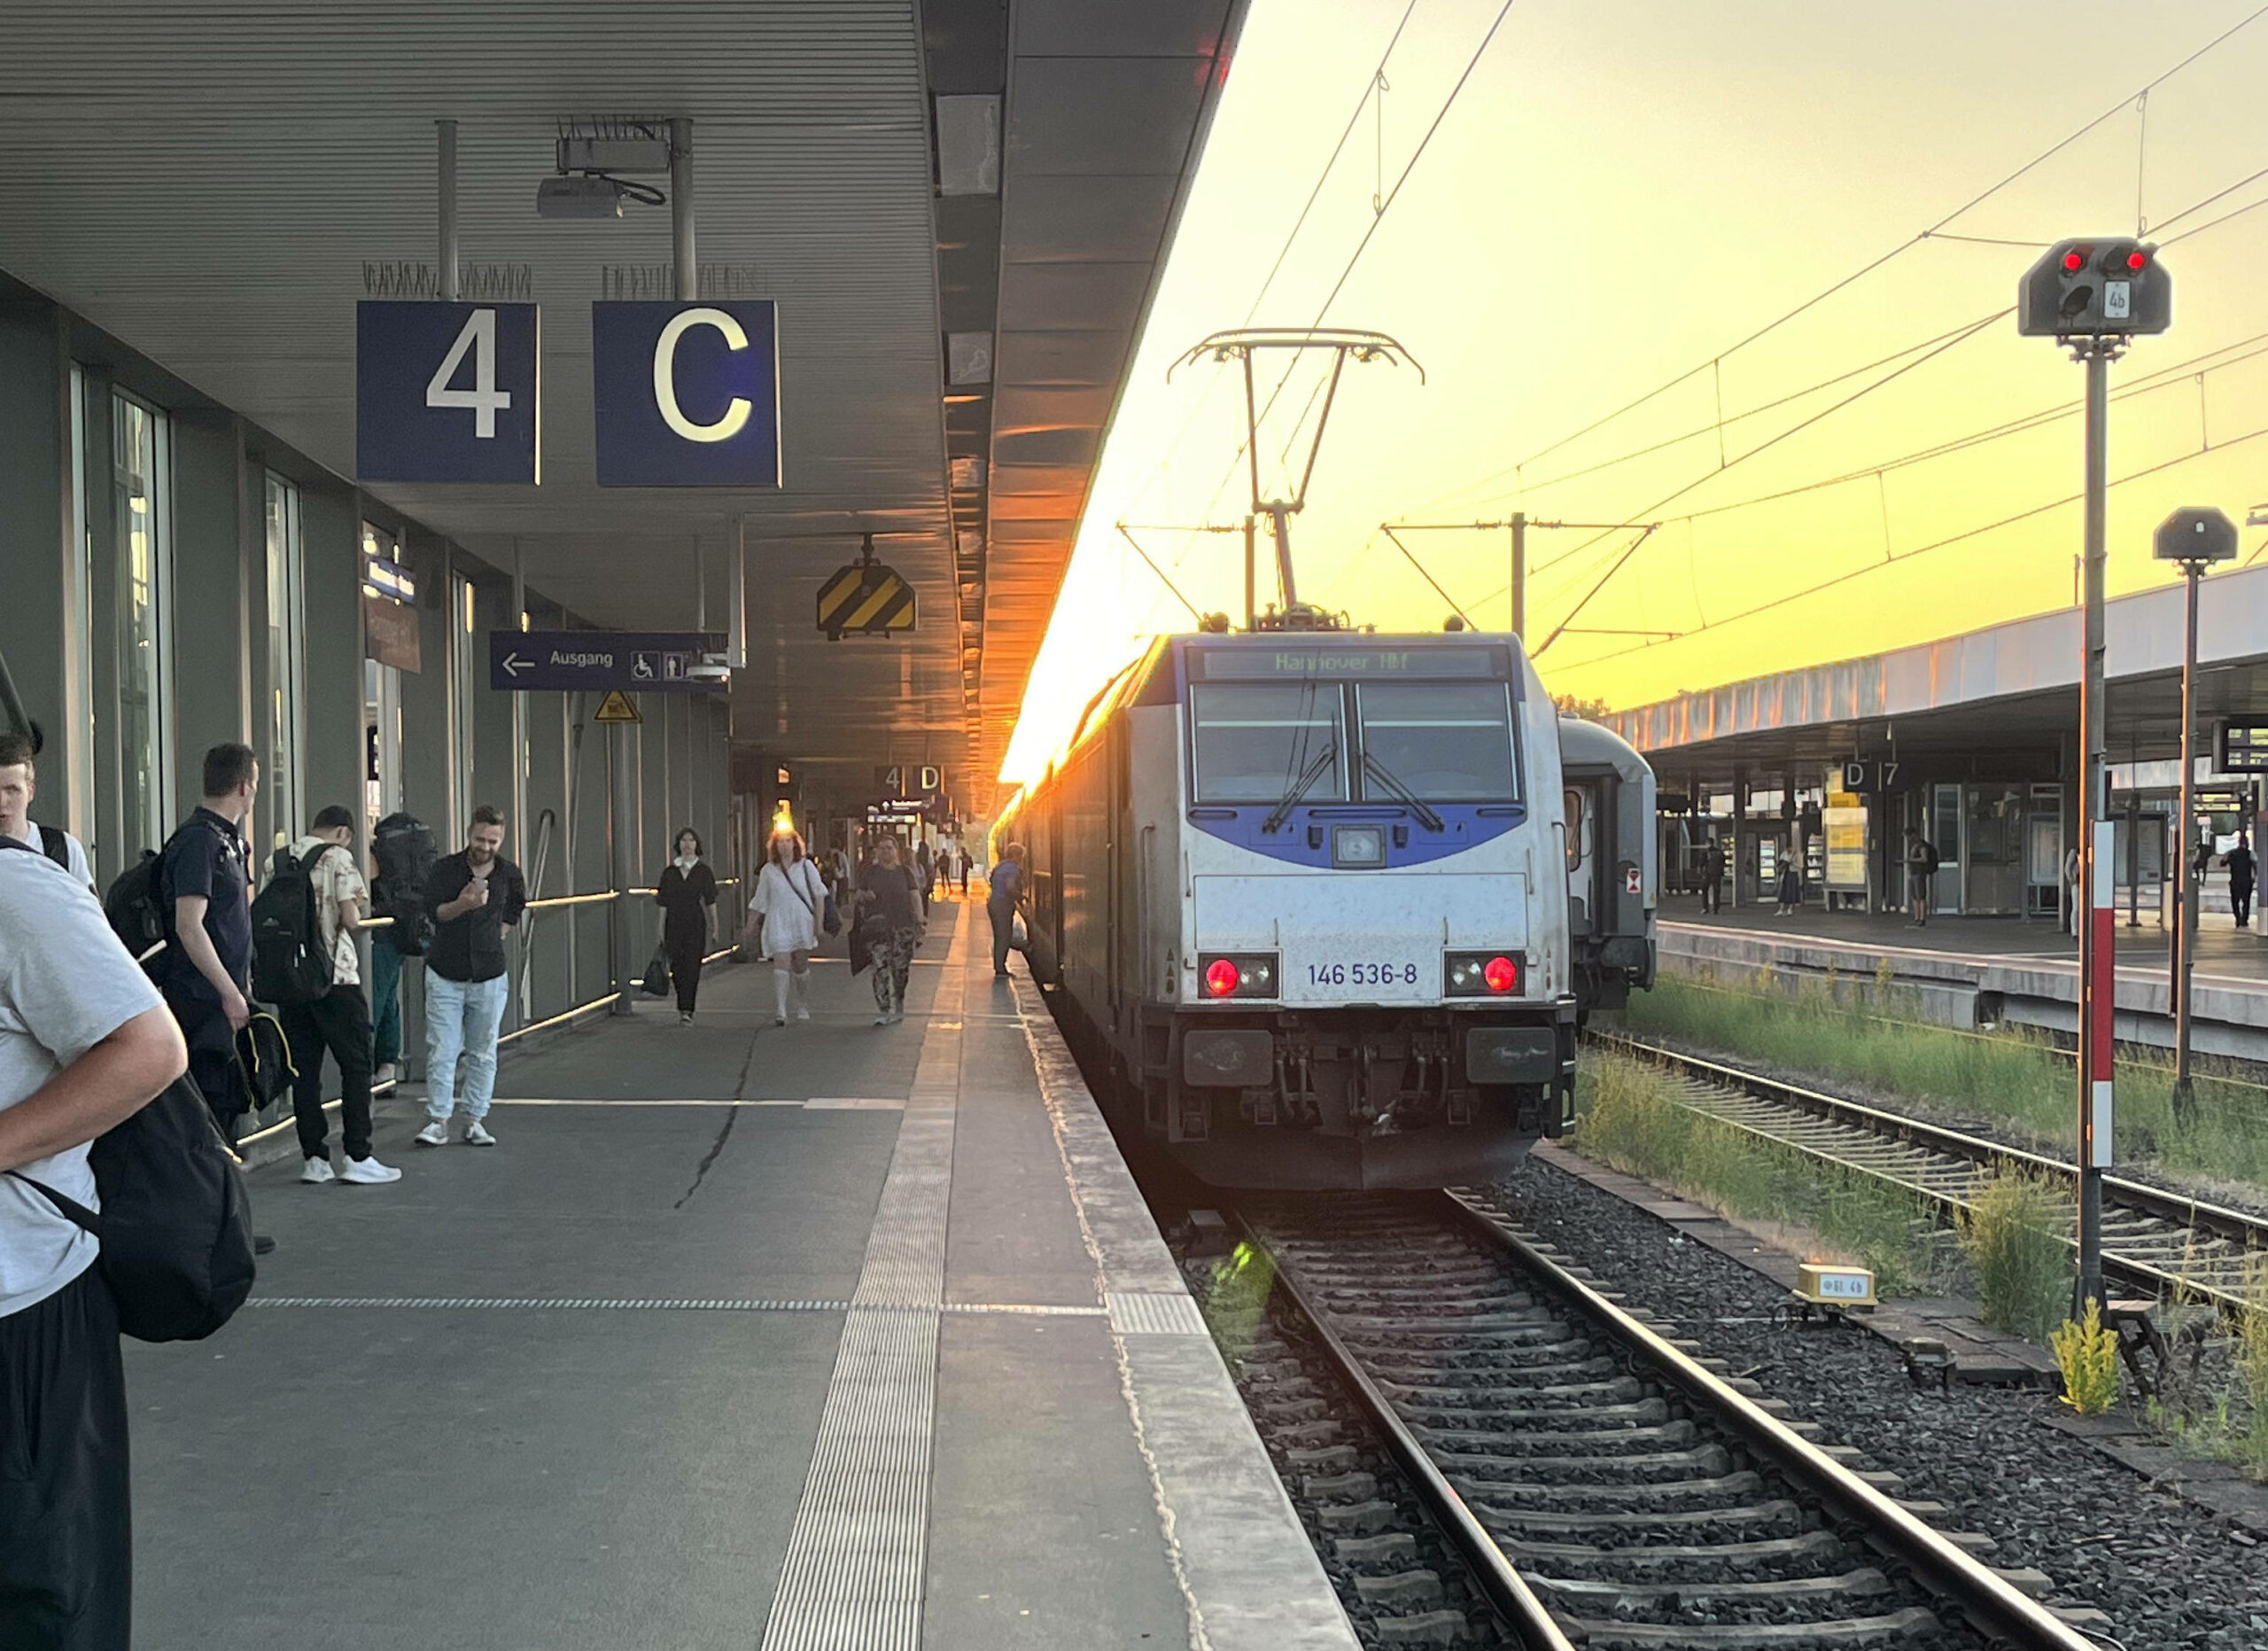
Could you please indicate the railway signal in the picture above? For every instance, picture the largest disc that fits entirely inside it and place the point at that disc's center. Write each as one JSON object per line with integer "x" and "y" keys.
{"x": 2092, "y": 295}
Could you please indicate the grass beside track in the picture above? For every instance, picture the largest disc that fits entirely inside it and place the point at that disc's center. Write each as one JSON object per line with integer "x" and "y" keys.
{"x": 2013, "y": 1076}
{"x": 1629, "y": 1117}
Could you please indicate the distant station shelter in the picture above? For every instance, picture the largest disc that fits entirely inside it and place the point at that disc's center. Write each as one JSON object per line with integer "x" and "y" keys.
{"x": 1973, "y": 741}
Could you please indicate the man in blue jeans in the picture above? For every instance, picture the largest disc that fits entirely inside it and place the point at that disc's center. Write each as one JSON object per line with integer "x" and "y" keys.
{"x": 474, "y": 897}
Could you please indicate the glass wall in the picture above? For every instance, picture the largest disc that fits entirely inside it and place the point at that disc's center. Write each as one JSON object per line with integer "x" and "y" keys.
{"x": 464, "y": 689}
{"x": 80, "y": 735}
{"x": 283, "y": 802}
{"x": 381, "y": 708}
{"x": 141, "y": 444}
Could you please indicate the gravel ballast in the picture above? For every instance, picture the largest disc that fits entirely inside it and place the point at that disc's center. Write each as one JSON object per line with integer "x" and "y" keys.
{"x": 2167, "y": 1573}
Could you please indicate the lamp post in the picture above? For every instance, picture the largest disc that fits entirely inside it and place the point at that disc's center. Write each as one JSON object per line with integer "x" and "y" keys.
{"x": 2193, "y": 538}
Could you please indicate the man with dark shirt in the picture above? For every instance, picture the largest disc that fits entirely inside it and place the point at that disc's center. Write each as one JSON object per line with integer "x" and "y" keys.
{"x": 2242, "y": 868}
{"x": 204, "y": 888}
{"x": 474, "y": 897}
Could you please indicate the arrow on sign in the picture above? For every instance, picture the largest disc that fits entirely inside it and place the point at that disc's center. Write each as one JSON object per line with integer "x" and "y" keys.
{"x": 513, "y": 665}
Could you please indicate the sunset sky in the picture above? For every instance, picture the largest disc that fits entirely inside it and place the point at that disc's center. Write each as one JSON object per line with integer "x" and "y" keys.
{"x": 1624, "y": 192}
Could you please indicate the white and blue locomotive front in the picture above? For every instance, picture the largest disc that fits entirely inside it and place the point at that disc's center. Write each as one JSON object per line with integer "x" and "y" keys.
{"x": 1340, "y": 872}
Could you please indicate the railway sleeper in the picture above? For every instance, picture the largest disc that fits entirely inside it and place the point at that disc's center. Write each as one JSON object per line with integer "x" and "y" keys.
{"x": 1386, "y": 1361}
{"x": 1655, "y": 1598}
{"x": 1776, "y": 1515}
{"x": 1850, "y": 1634}
{"x": 1771, "y": 1553}
{"x": 1482, "y": 1329}
{"x": 1454, "y": 1386}
{"x": 1554, "y": 1441}
{"x": 1542, "y": 1403}
{"x": 1603, "y": 1421}
{"x": 1638, "y": 1502}
{"x": 1655, "y": 1467}
{"x": 1457, "y": 1400}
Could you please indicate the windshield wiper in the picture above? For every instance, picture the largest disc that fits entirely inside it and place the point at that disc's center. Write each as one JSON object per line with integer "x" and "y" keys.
{"x": 1302, "y": 786}
{"x": 1401, "y": 794}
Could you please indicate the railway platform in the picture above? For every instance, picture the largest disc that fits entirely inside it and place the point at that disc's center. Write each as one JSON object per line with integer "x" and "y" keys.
{"x": 827, "y": 1335}
{"x": 1965, "y": 970}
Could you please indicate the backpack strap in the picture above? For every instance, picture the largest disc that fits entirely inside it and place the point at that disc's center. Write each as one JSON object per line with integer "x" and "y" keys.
{"x": 70, "y": 1209}
{"x": 56, "y": 845}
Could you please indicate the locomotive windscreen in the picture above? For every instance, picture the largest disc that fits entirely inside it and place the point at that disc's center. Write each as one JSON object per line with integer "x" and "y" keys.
{"x": 1444, "y": 741}
{"x": 1255, "y": 741}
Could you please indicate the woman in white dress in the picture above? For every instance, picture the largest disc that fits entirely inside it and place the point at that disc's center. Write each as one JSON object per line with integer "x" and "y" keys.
{"x": 789, "y": 897}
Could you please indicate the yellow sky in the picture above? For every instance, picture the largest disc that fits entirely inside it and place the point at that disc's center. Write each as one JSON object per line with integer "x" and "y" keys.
{"x": 1625, "y": 190}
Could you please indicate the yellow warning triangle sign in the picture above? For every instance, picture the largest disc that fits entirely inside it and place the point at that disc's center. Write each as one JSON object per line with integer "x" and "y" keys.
{"x": 615, "y": 708}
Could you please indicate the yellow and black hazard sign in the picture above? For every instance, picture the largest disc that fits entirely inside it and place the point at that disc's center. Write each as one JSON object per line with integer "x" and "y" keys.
{"x": 615, "y": 708}
{"x": 865, "y": 599}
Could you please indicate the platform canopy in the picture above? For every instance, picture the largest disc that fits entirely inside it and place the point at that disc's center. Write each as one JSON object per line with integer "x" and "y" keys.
{"x": 212, "y": 184}
{"x": 2004, "y": 688}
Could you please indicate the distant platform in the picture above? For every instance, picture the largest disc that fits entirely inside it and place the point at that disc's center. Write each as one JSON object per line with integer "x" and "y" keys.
{"x": 1970, "y": 970}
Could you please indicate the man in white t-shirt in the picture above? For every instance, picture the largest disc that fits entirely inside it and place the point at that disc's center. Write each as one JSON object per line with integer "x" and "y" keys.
{"x": 19, "y": 784}
{"x": 339, "y": 1020}
{"x": 85, "y": 1041}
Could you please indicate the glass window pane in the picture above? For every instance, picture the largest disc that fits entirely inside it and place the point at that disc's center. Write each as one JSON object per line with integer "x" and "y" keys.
{"x": 281, "y": 802}
{"x": 1254, "y": 743}
{"x": 137, "y": 438}
{"x": 1445, "y": 742}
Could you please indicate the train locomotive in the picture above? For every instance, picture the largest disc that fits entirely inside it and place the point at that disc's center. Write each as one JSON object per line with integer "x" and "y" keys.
{"x": 1313, "y": 911}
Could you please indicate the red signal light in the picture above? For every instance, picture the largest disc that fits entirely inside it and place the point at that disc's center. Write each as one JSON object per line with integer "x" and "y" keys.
{"x": 2137, "y": 259}
{"x": 1222, "y": 977}
{"x": 2075, "y": 261}
{"x": 1501, "y": 974}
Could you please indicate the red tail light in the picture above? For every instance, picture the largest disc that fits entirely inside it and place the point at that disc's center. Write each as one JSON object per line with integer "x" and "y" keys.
{"x": 1501, "y": 975}
{"x": 1222, "y": 977}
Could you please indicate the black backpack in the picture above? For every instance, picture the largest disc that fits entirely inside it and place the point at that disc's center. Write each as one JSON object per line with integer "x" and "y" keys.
{"x": 137, "y": 911}
{"x": 406, "y": 855}
{"x": 289, "y": 963}
{"x": 175, "y": 1223}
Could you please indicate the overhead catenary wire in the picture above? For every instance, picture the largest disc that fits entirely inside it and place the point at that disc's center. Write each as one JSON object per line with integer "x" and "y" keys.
{"x": 1935, "y": 230}
{"x": 1962, "y": 537}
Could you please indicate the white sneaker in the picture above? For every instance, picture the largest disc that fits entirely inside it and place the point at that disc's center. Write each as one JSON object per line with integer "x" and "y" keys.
{"x": 367, "y": 1172}
{"x": 318, "y": 1171}
{"x": 685, "y": 1018}
{"x": 435, "y": 1134}
{"x": 803, "y": 1014}
{"x": 385, "y": 1074}
{"x": 779, "y": 1020}
{"x": 475, "y": 1135}
{"x": 881, "y": 1020}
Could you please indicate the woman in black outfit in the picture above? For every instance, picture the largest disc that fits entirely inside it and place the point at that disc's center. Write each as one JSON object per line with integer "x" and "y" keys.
{"x": 685, "y": 892}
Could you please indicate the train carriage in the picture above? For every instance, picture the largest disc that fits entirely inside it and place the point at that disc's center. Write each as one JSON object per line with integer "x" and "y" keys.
{"x": 1302, "y": 899}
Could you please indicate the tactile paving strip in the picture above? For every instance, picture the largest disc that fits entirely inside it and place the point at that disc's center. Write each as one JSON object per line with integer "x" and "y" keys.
{"x": 851, "y": 1580}
{"x": 1141, "y": 1314}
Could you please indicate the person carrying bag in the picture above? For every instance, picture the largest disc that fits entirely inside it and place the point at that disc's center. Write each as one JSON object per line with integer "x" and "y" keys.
{"x": 786, "y": 918}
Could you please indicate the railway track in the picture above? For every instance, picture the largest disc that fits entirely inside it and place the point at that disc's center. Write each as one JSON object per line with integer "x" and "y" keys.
{"x": 2153, "y": 1240}
{"x": 1605, "y": 1486}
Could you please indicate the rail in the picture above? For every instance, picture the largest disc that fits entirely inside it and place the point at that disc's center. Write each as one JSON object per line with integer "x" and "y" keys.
{"x": 1947, "y": 1570}
{"x": 2214, "y": 1241}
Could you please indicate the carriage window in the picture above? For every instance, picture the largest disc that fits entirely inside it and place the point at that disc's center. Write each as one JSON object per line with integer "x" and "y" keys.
{"x": 1255, "y": 743}
{"x": 1578, "y": 828}
{"x": 1444, "y": 741}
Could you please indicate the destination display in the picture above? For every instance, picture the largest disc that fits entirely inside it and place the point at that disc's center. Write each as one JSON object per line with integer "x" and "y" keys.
{"x": 2242, "y": 748}
{"x": 1250, "y": 665}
